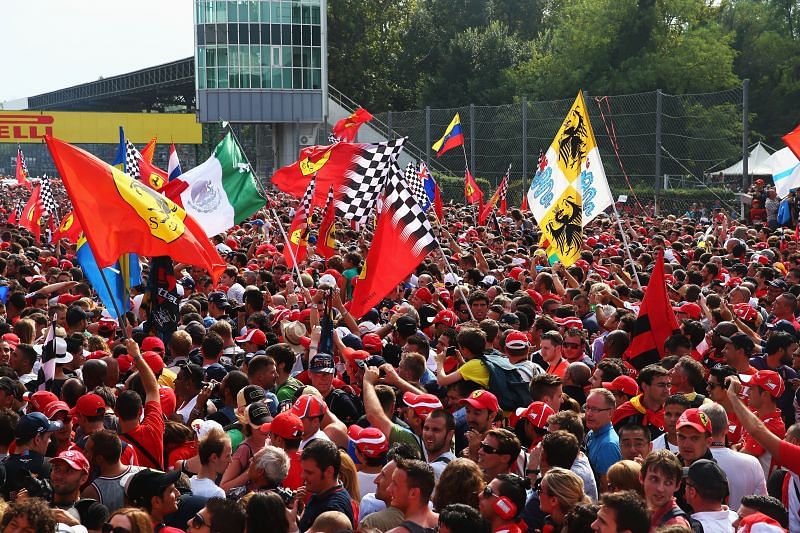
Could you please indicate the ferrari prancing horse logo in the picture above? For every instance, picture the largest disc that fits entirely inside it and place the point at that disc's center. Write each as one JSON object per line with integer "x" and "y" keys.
{"x": 162, "y": 216}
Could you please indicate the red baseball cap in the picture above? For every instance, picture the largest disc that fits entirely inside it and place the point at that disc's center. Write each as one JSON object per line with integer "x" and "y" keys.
{"x": 769, "y": 380}
{"x": 624, "y": 384}
{"x": 536, "y": 413}
{"x": 371, "y": 442}
{"x": 308, "y": 405}
{"x": 745, "y": 311}
{"x": 482, "y": 399}
{"x": 256, "y": 336}
{"x": 67, "y": 298}
{"x": 11, "y": 339}
{"x": 517, "y": 340}
{"x": 424, "y": 294}
{"x": 372, "y": 343}
{"x": 154, "y": 361}
{"x": 446, "y": 317}
{"x": 689, "y": 308}
{"x": 168, "y": 400}
{"x": 55, "y": 407}
{"x": 125, "y": 363}
{"x": 40, "y": 399}
{"x": 286, "y": 425}
{"x": 569, "y": 322}
{"x": 75, "y": 459}
{"x": 696, "y": 419}
{"x": 90, "y": 405}
{"x": 152, "y": 344}
{"x": 355, "y": 355}
{"x": 422, "y": 404}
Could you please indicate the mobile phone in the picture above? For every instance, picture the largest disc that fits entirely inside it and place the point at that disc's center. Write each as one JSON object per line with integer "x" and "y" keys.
{"x": 451, "y": 351}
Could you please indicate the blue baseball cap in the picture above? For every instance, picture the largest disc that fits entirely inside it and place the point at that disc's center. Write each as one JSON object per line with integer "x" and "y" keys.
{"x": 33, "y": 424}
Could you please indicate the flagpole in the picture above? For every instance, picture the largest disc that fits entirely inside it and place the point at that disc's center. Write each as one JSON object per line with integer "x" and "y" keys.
{"x": 625, "y": 242}
{"x": 450, "y": 268}
{"x": 271, "y": 210}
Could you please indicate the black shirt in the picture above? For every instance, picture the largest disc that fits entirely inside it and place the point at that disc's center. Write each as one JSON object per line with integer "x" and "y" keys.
{"x": 17, "y": 467}
{"x": 334, "y": 499}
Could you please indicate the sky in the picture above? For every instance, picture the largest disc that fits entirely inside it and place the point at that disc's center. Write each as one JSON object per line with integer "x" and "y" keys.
{"x": 53, "y": 44}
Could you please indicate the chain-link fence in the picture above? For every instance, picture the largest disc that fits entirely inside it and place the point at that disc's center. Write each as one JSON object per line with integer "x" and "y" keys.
{"x": 699, "y": 135}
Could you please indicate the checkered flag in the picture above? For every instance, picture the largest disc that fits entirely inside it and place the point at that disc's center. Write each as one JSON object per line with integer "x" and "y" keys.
{"x": 364, "y": 182}
{"x": 503, "y": 192}
{"x": 18, "y": 210}
{"x": 333, "y": 139}
{"x": 132, "y": 156}
{"x": 407, "y": 215}
{"x": 49, "y": 204}
{"x": 415, "y": 185}
{"x": 22, "y": 163}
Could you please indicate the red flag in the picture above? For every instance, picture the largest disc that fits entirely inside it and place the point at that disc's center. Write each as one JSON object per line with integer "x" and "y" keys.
{"x": 524, "y": 207}
{"x": 152, "y": 176}
{"x": 119, "y": 214}
{"x": 656, "y": 321}
{"x": 329, "y": 163}
{"x": 403, "y": 238}
{"x": 296, "y": 250}
{"x": 32, "y": 213}
{"x": 346, "y": 129}
{"x": 149, "y": 151}
{"x": 792, "y": 140}
{"x": 22, "y": 170}
{"x": 69, "y": 229}
{"x": 472, "y": 192}
{"x": 499, "y": 194}
{"x": 326, "y": 243}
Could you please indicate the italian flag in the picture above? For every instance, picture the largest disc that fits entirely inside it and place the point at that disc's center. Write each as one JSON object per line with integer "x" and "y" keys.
{"x": 219, "y": 193}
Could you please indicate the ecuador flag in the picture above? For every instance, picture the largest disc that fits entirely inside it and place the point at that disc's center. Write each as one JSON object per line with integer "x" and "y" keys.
{"x": 119, "y": 214}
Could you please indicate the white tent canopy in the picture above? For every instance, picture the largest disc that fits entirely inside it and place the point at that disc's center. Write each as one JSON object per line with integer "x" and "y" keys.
{"x": 756, "y": 163}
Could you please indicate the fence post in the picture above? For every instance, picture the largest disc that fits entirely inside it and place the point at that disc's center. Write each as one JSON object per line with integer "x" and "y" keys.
{"x": 428, "y": 136}
{"x": 745, "y": 133}
{"x": 389, "y": 124}
{"x": 472, "y": 139}
{"x": 657, "y": 188}
{"x": 524, "y": 143}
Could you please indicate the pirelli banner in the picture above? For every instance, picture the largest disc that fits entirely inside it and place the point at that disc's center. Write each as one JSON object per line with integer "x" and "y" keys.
{"x": 98, "y": 128}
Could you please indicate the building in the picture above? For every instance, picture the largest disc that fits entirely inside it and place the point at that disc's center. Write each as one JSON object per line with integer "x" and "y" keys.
{"x": 263, "y": 62}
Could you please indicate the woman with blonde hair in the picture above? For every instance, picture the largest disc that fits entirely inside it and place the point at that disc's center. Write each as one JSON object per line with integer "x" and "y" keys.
{"x": 131, "y": 519}
{"x": 624, "y": 475}
{"x": 348, "y": 476}
{"x": 560, "y": 491}
{"x": 25, "y": 329}
{"x": 461, "y": 482}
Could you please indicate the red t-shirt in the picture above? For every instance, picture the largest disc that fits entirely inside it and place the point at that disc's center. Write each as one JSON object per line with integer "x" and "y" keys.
{"x": 149, "y": 437}
{"x": 734, "y": 429}
{"x": 185, "y": 451}
{"x": 789, "y": 456}
{"x": 294, "y": 479}
{"x": 559, "y": 369}
{"x": 774, "y": 423}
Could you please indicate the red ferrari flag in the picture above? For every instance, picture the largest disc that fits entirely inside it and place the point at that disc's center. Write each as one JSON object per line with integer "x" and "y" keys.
{"x": 792, "y": 140}
{"x": 149, "y": 151}
{"x": 656, "y": 321}
{"x": 326, "y": 243}
{"x": 524, "y": 207}
{"x": 403, "y": 238}
{"x": 498, "y": 196}
{"x": 119, "y": 214}
{"x": 32, "y": 213}
{"x": 151, "y": 175}
{"x": 22, "y": 170}
{"x": 69, "y": 229}
{"x": 329, "y": 163}
{"x": 346, "y": 129}
{"x": 296, "y": 249}
{"x": 472, "y": 192}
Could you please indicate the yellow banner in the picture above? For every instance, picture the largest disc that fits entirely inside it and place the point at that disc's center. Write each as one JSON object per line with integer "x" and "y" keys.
{"x": 101, "y": 128}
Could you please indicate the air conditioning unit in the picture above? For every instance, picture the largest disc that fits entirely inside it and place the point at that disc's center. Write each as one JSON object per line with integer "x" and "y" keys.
{"x": 307, "y": 134}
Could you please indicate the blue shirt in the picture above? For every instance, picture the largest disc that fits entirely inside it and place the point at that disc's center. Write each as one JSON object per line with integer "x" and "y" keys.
{"x": 603, "y": 448}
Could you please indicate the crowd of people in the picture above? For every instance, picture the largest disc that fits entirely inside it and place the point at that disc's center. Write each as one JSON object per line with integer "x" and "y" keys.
{"x": 489, "y": 391}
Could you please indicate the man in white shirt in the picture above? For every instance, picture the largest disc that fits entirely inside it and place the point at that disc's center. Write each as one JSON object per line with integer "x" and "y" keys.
{"x": 744, "y": 472}
{"x": 706, "y": 489}
{"x": 310, "y": 410}
{"x": 673, "y": 408}
{"x": 438, "y": 432}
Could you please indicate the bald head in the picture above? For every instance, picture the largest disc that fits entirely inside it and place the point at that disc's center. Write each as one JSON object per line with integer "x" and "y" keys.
{"x": 577, "y": 374}
{"x": 112, "y": 371}
{"x": 94, "y": 373}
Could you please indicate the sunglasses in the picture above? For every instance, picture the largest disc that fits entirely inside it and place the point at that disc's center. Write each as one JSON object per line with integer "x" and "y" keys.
{"x": 489, "y": 449}
{"x": 198, "y": 521}
{"x": 108, "y": 528}
{"x": 571, "y": 345}
{"x": 487, "y": 492}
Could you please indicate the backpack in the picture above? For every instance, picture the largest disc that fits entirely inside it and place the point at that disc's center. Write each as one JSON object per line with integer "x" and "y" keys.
{"x": 506, "y": 383}
{"x": 697, "y": 526}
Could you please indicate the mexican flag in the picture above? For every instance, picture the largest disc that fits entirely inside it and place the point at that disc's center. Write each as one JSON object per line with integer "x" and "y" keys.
{"x": 219, "y": 193}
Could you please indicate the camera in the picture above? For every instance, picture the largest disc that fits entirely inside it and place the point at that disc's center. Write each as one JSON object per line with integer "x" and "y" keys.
{"x": 287, "y": 495}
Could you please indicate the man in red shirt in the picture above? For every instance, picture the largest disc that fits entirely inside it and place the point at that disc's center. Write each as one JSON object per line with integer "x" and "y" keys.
{"x": 285, "y": 432}
{"x": 147, "y": 436}
{"x": 765, "y": 387}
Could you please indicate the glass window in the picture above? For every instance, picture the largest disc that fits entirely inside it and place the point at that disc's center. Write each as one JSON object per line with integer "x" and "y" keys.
{"x": 222, "y": 57}
{"x": 286, "y": 13}
{"x": 316, "y": 57}
{"x": 233, "y": 34}
{"x": 201, "y": 78}
{"x": 297, "y": 78}
{"x": 201, "y": 34}
{"x": 266, "y": 78}
{"x": 254, "y": 39}
{"x": 276, "y": 56}
{"x": 306, "y": 15}
{"x": 244, "y": 33}
{"x": 315, "y": 15}
{"x": 244, "y": 12}
{"x": 199, "y": 12}
{"x": 275, "y": 12}
{"x": 222, "y": 78}
{"x": 277, "y": 78}
{"x": 286, "y": 56}
{"x": 297, "y": 57}
{"x": 306, "y": 36}
{"x": 286, "y": 34}
{"x": 201, "y": 57}
{"x": 233, "y": 55}
{"x": 287, "y": 78}
{"x": 222, "y": 34}
{"x": 265, "y": 35}
{"x": 315, "y": 39}
{"x": 306, "y": 54}
{"x": 211, "y": 75}
{"x": 211, "y": 57}
{"x": 233, "y": 15}
{"x": 265, "y": 11}
{"x": 233, "y": 79}
{"x": 316, "y": 79}
{"x": 296, "y": 14}
{"x": 220, "y": 11}
{"x": 252, "y": 6}
{"x": 255, "y": 78}
{"x": 297, "y": 35}
{"x": 245, "y": 79}
{"x": 209, "y": 33}
{"x": 266, "y": 56}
